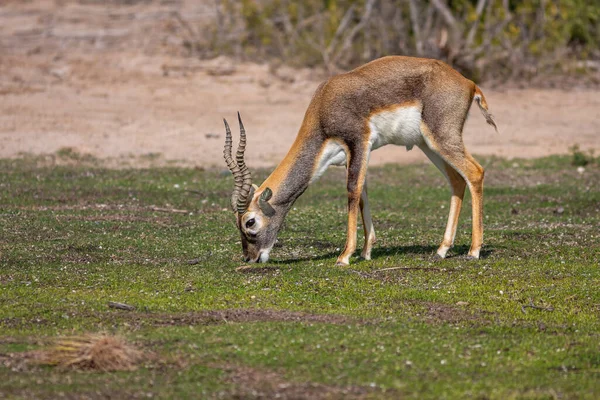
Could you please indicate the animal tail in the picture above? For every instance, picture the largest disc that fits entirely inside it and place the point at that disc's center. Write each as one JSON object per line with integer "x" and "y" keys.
{"x": 483, "y": 106}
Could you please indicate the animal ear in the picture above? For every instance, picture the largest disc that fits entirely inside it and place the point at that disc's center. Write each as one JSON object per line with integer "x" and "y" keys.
{"x": 266, "y": 194}
{"x": 263, "y": 204}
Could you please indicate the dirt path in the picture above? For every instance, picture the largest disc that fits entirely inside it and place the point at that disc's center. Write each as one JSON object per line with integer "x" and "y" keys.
{"x": 114, "y": 81}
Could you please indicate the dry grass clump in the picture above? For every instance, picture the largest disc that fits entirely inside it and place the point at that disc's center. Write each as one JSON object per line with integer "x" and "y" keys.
{"x": 99, "y": 352}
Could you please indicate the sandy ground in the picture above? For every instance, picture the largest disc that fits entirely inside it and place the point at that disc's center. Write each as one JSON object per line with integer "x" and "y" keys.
{"x": 113, "y": 79}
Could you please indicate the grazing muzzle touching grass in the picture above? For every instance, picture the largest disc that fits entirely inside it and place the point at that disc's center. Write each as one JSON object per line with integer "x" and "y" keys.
{"x": 257, "y": 239}
{"x": 255, "y": 217}
{"x": 263, "y": 257}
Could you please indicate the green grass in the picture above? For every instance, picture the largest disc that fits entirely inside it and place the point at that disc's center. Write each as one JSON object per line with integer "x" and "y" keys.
{"x": 73, "y": 238}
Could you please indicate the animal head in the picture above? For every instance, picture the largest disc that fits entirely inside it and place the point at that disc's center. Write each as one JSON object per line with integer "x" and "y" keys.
{"x": 256, "y": 219}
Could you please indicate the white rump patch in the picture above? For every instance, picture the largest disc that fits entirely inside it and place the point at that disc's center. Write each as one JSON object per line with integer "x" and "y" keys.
{"x": 400, "y": 126}
{"x": 332, "y": 154}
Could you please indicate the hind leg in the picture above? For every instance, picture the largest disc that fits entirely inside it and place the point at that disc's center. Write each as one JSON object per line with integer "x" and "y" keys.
{"x": 475, "y": 173}
{"x": 457, "y": 187}
{"x": 453, "y": 152}
{"x": 367, "y": 224}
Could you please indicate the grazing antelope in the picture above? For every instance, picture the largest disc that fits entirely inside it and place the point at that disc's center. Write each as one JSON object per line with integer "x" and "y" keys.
{"x": 393, "y": 100}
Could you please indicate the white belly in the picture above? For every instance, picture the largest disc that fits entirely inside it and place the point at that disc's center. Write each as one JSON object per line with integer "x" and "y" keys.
{"x": 400, "y": 126}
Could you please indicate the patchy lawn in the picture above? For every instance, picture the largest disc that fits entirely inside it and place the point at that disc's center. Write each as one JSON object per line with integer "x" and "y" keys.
{"x": 522, "y": 322}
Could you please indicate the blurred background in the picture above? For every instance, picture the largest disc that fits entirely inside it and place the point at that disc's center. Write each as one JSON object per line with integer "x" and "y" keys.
{"x": 147, "y": 82}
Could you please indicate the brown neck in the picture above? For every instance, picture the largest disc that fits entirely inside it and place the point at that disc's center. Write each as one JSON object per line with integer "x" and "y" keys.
{"x": 293, "y": 174}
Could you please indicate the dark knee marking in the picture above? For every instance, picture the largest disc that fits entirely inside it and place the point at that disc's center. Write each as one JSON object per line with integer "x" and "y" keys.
{"x": 355, "y": 170}
{"x": 353, "y": 201}
{"x": 352, "y": 187}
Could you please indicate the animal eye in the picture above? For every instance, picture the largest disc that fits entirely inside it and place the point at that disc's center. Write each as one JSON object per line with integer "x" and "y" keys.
{"x": 250, "y": 223}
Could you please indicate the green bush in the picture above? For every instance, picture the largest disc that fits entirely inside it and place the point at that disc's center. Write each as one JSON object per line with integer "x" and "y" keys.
{"x": 483, "y": 39}
{"x": 579, "y": 158}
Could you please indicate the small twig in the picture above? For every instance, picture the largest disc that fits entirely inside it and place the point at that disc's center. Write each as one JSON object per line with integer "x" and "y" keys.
{"x": 171, "y": 210}
{"x": 120, "y": 306}
{"x": 410, "y": 269}
{"x": 194, "y": 191}
{"x": 388, "y": 269}
{"x": 205, "y": 257}
{"x": 531, "y": 305}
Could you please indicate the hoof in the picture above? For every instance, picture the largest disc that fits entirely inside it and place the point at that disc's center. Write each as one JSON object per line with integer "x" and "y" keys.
{"x": 341, "y": 264}
{"x": 473, "y": 255}
{"x": 442, "y": 251}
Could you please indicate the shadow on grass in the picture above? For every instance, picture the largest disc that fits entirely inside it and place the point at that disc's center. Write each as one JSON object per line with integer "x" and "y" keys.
{"x": 401, "y": 250}
{"x": 457, "y": 252}
{"x": 377, "y": 253}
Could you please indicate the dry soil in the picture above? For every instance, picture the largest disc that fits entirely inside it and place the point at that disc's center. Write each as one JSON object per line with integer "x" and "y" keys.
{"x": 113, "y": 79}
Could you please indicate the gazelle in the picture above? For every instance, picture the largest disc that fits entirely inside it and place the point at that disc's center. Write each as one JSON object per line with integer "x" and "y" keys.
{"x": 393, "y": 100}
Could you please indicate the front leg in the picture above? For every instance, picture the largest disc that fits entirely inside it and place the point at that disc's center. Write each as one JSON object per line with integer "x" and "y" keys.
{"x": 367, "y": 224}
{"x": 357, "y": 157}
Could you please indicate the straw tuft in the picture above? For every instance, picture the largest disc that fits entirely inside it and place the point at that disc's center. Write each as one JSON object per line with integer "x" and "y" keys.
{"x": 92, "y": 352}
